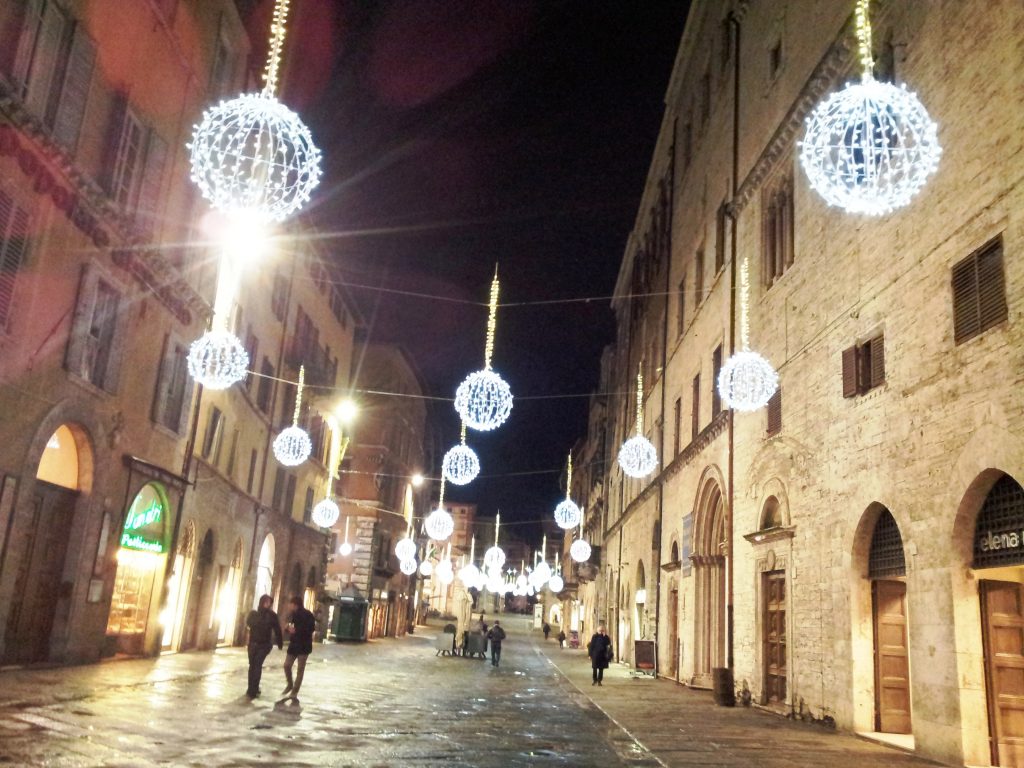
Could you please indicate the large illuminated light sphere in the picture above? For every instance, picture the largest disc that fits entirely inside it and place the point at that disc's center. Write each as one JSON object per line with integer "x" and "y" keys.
{"x": 292, "y": 446}
{"x": 495, "y": 584}
{"x": 494, "y": 558}
{"x": 580, "y": 551}
{"x": 408, "y": 567}
{"x": 542, "y": 572}
{"x": 426, "y": 568}
{"x": 254, "y": 154}
{"x": 217, "y": 359}
{"x": 460, "y": 465}
{"x": 638, "y": 457}
{"x": 747, "y": 381}
{"x": 439, "y": 524}
{"x": 870, "y": 147}
{"x": 326, "y": 513}
{"x": 555, "y": 584}
{"x": 405, "y": 549}
{"x": 345, "y": 549}
{"x": 469, "y": 574}
{"x": 483, "y": 400}
{"x": 521, "y": 581}
{"x": 444, "y": 573}
{"x": 567, "y": 514}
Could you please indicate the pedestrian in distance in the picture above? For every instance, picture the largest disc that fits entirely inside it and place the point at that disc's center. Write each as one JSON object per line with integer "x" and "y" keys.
{"x": 264, "y": 630}
{"x": 546, "y": 629}
{"x": 600, "y": 651}
{"x": 301, "y": 626}
{"x": 496, "y": 635}
{"x": 561, "y": 638}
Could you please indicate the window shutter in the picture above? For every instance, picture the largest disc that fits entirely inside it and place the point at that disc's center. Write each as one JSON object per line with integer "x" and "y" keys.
{"x": 74, "y": 358}
{"x": 186, "y": 398}
{"x": 14, "y": 228}
{"x": 75, "y": 92}
{"x": 965, "y": 301}
{"x": 775, "y": 412}
{"x": 164, "y": 382}
{"x": 44, "y": 59}
{"x": 33, "y": 19}
{"x": 152, "y": 175}
{"x": 877, "y": 356}
{"x": 850, "y": 372}
{"x": 113, "y": 372}
{"x": 115, "y": 131}
{"x": 991, "y": 286}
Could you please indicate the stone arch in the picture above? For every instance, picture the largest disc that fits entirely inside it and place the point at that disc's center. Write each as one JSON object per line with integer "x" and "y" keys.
{"x": 773, "y": 493}
{"x": 709, "y": 564}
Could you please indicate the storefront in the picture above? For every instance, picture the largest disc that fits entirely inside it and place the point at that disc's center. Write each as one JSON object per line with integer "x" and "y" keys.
{"x": 133, "y": 623}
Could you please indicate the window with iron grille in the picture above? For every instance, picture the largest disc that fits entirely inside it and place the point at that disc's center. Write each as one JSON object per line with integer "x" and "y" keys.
{"x": 979, "y": 292}
{"x": 886, "y": 557}
{"x": 998, "y": 538}
{"x": 864, "y": 366}
{"x": 774, "y": 413}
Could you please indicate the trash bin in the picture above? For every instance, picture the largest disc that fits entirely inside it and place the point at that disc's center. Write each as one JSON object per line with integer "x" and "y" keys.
{"x": 724, "y": 690}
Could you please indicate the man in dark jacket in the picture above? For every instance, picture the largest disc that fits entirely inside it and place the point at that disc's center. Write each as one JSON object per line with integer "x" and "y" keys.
{"x": 496, "y": 634}
{"x": 301, "y": 625}
{"x": 264, "y": 628}
{"x": 600, "y": 651}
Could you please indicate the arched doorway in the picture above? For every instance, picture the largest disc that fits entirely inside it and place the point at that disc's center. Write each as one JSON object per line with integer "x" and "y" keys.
{"x": 709, "y": 567}
{"x": 173, "y": 619}
{"x": 65, "y": 471}
{"x": 265, "y": 571}
{"x": 309, "y": 596}
{"x": 141, "y": 560}
{"x": 199, "y": 594}
{"x": 640, "y": 603}
{"x": 673, "y": 615}
{"x": 998, "y": 560}
{"x": 227, "y": 599}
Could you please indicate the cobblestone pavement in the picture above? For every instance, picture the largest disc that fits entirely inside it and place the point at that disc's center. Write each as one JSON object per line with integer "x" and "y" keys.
{"x": 384, "y": 703}
{"x": 394, "y": 703}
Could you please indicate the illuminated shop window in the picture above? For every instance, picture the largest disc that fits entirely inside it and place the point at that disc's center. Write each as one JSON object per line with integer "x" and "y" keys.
{"x": 141, "y": 551}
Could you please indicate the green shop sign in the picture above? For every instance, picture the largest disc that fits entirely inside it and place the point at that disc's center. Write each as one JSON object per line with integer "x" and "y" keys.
{"x": 144, "y": 526}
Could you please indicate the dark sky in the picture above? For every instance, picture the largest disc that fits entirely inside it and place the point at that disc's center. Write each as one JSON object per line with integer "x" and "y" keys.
{"x": 462, "y": 133}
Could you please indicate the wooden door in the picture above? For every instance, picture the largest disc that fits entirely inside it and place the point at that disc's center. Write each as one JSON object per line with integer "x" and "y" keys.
{"x": 38, "y": 578}
{"x": 892, "y": 662}
{"x": 1002, "y": 608}
{"x": 774, "y": 636}
{"x": 673, "y": 634}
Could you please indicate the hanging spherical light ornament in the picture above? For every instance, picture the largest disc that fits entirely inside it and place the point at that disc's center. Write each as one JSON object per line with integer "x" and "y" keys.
{"x": 637, "y": 457}
{"x": 439, "y": 524}
{"x": 580, "y": 551}
{"x": 521, "y": 581}
{"x": 495, "y": 584}
{"x": 567, "y": 514}
{"x": 494, "y": 558}
{"x": 292, "y": 446}
{"x": 460, "y": 465}
{"x": 870, "y": 147}
{"x": 483, "y": 400}
{"x": 326, "y": 513}
{"x": 252, "y": 153}
{"x": 426, "y": 568}
{"x": 345, "y": 549}
{"x": 556, "y": 584}
{"x": 444, "y": 572}
{"x": 481, "y": 582}
{"x": 405, "y": 549}
{"x": 542, "y": 572}
{"x": 408, "y": 567}
{"x": 469, "y": 574}
{"x": 747, "y": 381}
{"x": 217, "y": 359}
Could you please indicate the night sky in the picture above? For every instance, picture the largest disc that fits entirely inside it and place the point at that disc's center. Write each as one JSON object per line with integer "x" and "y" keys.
{"x": 458, "y": 134}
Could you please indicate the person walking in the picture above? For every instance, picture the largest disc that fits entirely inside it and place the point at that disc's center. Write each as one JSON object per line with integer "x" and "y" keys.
{"x": 496, "y": 635}
{"x": 301, "y": 626}
{"x": 546, "y": 629}
{"x": 561, "y": 638}
{"x": 600, "y": 651}
{"x": 264, "y": 627}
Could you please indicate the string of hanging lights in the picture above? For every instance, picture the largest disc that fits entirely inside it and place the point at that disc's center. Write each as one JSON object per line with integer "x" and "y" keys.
{"x": 494, "y": 557}
{"x": 870, "y": 147}
{"x": 326, "y": 512}
{"x": 483, "y": 399}
{"x": 567, "y": 514}
{"x": 579, "y": 550}
{"x": 460, "y": 464}
{"x": 637, "y": 456}
{"x": 293, "y": 446}
{"x": 439, "y": 523}
{"x": 747, "y": 381}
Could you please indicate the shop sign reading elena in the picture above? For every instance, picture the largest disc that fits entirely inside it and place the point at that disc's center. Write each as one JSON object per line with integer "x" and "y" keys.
{"x": 143, "y": 529}
{"x": 995, "y": 548}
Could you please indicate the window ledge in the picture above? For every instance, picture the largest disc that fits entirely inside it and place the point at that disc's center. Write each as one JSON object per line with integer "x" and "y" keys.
{"x": 770, "y": 534}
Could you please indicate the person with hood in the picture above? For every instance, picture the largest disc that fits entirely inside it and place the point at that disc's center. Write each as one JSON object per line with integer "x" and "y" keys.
{"x": 496, "y": 634}
{"x": 600, "y": 651}
{"x": 546, "y": 629}
{"x": 264, "y": 629}
{"x": 301, "y": 626}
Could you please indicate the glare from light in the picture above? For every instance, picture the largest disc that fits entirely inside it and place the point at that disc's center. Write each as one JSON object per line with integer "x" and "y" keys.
{"x": 347, "y": 411}
{"x": 417, "y": 480}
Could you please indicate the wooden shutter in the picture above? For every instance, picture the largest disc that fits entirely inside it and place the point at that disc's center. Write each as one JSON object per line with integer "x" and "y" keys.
{"x": 32, "y": 21}
{"x": 966, "y": 323}
{"x": 45, "y": 53}
{"x": 14, "y": 228}
{"x": 775, "y": 412}
{"x": 165, "y": 375}
{"x": 75, "y": 91}
{"x": 876, "y": 354}
{"x": 716, "y": 368}
{"x": 115, "y": 130}
{"x": 991, "y": 286}
{"x": 695, "y": 413}
{"x": 152, "y": 175}
{"x": 720, "y": 238}
{"x": 850, "y": 372}
{"x": 74, "y": 356}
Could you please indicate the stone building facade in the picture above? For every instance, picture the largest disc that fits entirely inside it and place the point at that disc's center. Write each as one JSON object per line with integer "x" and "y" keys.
{"x": 851, "y": 553}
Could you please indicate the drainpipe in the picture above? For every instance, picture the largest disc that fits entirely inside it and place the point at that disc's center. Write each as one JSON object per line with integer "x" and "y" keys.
{"x": 664, "y": 388}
